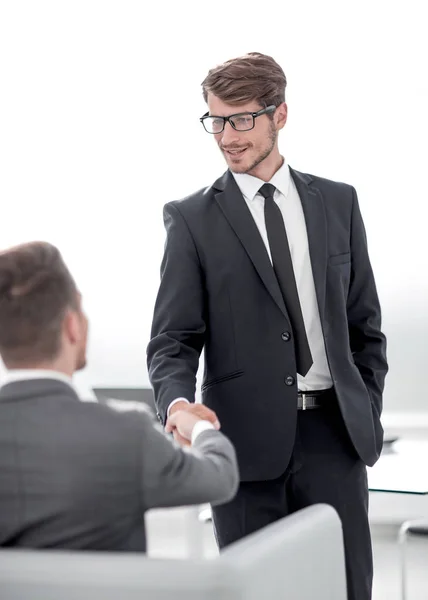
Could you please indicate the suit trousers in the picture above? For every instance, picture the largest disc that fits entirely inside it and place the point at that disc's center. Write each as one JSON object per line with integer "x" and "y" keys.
{"x": 324, "y": 468}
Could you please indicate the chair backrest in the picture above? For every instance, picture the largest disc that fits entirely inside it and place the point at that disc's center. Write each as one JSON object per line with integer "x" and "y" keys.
{"x": 298, "y": 558}
{"x": 64, "y": 575}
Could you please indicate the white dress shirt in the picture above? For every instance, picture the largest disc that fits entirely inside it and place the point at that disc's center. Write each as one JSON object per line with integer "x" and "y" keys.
{"x": 288, "y": 200}
{"x": 12, "y": 375}
{"x": 79, "y": 384}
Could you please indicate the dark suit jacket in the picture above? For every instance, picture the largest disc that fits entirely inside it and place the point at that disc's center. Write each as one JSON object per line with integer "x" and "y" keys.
{"x": 81, "y": 476}
{"x": 219, "y": 291}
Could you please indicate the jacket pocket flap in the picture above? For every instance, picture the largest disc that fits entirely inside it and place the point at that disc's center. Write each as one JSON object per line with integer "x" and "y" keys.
{"x": 339, "y": 259}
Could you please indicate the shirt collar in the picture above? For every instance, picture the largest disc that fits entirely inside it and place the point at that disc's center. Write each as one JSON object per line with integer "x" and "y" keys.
{"x": 250, "y": 185}
{"x": 14, "y": 375}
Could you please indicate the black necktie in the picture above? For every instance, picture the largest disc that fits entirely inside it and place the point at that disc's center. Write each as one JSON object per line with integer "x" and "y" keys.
{"x": 283, "y": 267}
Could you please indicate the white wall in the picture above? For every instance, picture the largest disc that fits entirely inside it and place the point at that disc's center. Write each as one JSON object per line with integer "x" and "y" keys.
{"x": 99, "y": 127}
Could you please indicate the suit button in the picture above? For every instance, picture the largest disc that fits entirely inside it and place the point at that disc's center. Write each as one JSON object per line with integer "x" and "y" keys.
{"x": 289, "y": 380}
{"x": 286, "y": 336}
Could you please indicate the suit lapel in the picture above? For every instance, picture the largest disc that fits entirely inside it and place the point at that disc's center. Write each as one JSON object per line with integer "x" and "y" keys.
{"x": 316, "y": 226}
{"x": 235, "y": 209}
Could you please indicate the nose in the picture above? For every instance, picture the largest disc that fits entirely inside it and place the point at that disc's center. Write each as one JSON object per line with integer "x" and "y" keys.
{"x": 229, "y": 135}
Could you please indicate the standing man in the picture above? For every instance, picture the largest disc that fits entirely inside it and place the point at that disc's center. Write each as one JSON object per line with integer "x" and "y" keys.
{"x": 268, "y": 270}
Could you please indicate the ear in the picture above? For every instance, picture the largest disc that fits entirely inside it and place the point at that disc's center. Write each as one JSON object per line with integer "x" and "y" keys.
{"x": 72, "y": 327}
{"x": 281, "y": 114}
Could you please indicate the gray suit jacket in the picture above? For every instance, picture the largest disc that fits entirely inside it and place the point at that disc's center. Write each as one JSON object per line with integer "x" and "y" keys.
{"x": 81, "y": 475}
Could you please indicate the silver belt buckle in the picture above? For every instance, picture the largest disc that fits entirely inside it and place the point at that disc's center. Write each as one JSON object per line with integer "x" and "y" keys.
{"x": 303, "y": 401}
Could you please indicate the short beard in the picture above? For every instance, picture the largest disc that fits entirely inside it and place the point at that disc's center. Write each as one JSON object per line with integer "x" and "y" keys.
{"x": 273, "y": 135}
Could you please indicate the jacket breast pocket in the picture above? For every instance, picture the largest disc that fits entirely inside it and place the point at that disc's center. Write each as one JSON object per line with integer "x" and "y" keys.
{"x": 340, "y": 271}
{"x": 339, "y": 259}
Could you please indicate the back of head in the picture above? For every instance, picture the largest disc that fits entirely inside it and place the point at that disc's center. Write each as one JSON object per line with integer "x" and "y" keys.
{"x": 36, "y": 291}
{"x": 254, "y": 76}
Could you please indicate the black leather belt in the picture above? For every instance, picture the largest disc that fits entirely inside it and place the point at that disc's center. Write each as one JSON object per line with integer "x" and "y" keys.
{"x": 312, "y": 399}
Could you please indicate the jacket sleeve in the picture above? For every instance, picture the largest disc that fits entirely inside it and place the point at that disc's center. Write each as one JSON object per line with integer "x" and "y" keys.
{"x": 175, "y": 476}
{"x": 178, "y": 328}
{"x": 368, "y": 343}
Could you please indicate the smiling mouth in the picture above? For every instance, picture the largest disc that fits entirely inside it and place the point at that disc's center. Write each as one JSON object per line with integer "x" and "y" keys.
{"x": 235, "y": 152}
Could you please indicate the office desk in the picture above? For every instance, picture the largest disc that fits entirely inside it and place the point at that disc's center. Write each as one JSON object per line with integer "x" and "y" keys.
{"x": 402, "y": 469}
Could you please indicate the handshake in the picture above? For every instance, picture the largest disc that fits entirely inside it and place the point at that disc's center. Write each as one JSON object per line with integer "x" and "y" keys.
{"x": 183, "y": 417}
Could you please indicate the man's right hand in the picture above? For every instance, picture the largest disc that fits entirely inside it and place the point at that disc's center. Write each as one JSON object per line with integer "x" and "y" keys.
{"x": 183, "y": 417}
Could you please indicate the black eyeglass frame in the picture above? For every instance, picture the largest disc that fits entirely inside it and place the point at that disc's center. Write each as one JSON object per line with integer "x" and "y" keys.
{"x": 264, "y": 111}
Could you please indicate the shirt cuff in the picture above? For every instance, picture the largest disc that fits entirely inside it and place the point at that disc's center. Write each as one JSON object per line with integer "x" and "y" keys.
{"x": 199, "y": 428}
{"x": 174, "y": 402}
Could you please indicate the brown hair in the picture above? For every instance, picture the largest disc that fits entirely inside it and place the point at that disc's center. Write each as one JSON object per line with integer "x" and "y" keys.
{"x": 253, "y": 76}
{"x": 36, "y": 289}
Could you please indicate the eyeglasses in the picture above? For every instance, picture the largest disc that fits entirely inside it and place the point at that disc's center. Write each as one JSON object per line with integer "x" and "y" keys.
{"x": 240, "y": 121}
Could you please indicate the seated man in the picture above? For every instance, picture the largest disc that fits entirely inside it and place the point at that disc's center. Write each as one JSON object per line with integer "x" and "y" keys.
{"x": 80, "y": 475}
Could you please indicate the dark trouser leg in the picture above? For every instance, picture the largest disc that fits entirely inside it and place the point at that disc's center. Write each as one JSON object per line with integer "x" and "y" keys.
{"x": 328, "y": 470}
{"x": 324, "y": 468}
{"x": 256, "y": 505}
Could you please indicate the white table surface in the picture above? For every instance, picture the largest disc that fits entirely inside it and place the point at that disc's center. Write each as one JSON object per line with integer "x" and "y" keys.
{"x": 402, "y": 470}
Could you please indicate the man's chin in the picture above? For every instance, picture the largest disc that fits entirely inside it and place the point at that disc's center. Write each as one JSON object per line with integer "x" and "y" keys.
{"x": 237, "y": 167}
